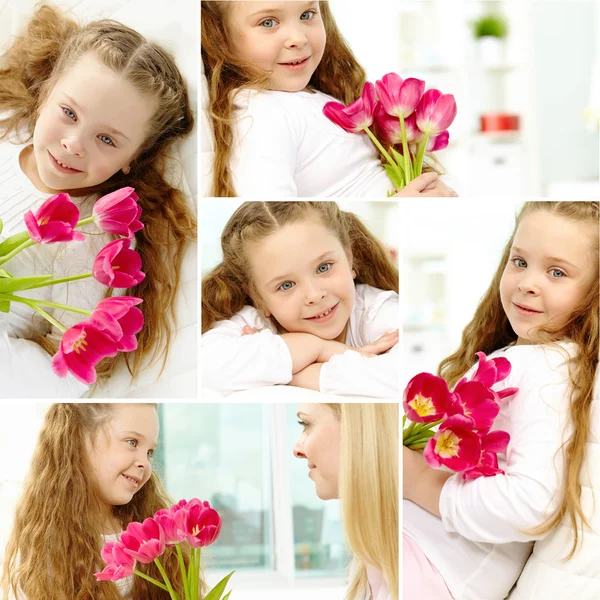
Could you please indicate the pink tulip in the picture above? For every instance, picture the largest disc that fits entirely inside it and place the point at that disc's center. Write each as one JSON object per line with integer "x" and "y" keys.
{"x": 475, "y": 400}
{"x": 455, "y": 445}
{"x": 119, "y": 317}
{"x": 55, "y": 221}
{"x": 505, "y": 393}
{"x": 82, "y": 347}
{"x": 173, "y": 534}
{"x": 144, "y": 541}
{"x": 491, "y": 444}
{"x": 399, "y": 97}
{"x": 356, "y": 116}
{"x": 491, "y": 371}
{"x": 201, "y": 523}
{"x": 390, "y": 127}
{"x": 426, "y": 398}
{"x": 435, "y": 112}
{"x": 118, "y": 212}
{"x": 119, "y": 563}
{"x": 117, "y": 266}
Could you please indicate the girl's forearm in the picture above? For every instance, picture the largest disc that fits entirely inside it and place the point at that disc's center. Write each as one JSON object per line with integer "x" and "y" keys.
{"x": 306, "y": 349}
{"x": 308, "y": 378}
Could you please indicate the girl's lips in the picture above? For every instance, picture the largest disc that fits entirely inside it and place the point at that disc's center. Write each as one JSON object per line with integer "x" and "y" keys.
{"x": 60, "y": 168}
{"x": 131, "y": 481}
{"x": 526, "y": 311}
{"x": 296, "y": 67}
{"x": 327, "y": 317}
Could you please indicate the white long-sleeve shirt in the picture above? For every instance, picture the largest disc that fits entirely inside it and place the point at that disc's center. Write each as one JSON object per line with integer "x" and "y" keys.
{"x": 480, "y": 544}
{"x": 284, "y": 146}
{"x": 233, "y": 362}
{"x": 25, "y": 368}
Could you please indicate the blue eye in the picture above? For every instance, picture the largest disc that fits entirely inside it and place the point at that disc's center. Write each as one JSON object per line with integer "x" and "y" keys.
{"x": 106, "y": 140}
{"x": 519, "y": 262}
{"x": 268, "y": 23}
{"x": 557, "y": 273}
{"x": 133, "y": 443}
{"x": 69, "y": 113}
{"x": 307, "y": 16}
{"x": 324, "y": 268}
{"x": 150, "y": 453}
{"x": 286, "y": 285}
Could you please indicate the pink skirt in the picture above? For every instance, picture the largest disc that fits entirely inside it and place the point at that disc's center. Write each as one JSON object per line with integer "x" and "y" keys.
{"x": 420, "y": 579}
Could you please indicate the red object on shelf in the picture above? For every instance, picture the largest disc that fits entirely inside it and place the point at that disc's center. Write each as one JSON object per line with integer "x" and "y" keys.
{"x": 496, "y": 122}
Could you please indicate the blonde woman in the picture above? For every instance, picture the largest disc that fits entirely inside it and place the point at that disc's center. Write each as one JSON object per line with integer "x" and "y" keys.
{"x": 352, "y": 454}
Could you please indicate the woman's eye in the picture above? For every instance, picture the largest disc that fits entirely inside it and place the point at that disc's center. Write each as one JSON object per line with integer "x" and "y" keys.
{"x": 557, "y": 273}
{"x": 69, "y": 113}
{"x": 286, "y": 285}
{"x": 307, "y": 16}
{"x": 106, "y": 140}
{"x": 303, "y": 424}
{"x": 268, "y": 23}
{"x": 324, "y": 268}
{"x": 519, "y": 262}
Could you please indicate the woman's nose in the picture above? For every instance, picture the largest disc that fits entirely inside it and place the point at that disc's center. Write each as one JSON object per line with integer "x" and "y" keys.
{"x": 73, "y": 146}
{"x": 298, "y": 450}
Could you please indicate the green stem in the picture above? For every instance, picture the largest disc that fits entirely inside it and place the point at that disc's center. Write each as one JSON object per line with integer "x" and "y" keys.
{"x": 84, "y": 222}
{"x": 380, "y": 147}
{"x": 408, "y": 431}
{"x": 151, "y": 580}
{"x": 61, "y": 280}
{"x": 403, "y": 421}
{"x": 16, "y": 251}
{"x": 421, "y": 154}
{"x": 418, "y": 446}
{"x": 44, "y": 314}
{"x": 13, "y": 298}
{"x": 184, "y": 575}
{"x": 196, "y": 581}
{"x": 407, "y": 164}
{"x": 170, "y": 589}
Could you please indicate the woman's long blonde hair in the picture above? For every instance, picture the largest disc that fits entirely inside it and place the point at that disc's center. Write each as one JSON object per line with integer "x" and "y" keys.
{"x": 490, "y": 330}
{"x": 228, "y": 287}
{"x": 54, "y": 549}
{"x": 368, "y": 490}
{"x": 29, "y": 69}
{"x": 339, "y": 74}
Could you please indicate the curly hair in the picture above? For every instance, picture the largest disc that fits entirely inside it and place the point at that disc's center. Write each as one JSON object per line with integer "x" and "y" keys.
{"x": 29, "y": 70}
{"x": 490, "y": 330}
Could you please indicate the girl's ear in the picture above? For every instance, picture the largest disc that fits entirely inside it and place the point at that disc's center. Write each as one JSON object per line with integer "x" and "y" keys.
{"x": 353, "y": 274}
{"x": 267, "y": 314}
{"x": 126, "y": 170}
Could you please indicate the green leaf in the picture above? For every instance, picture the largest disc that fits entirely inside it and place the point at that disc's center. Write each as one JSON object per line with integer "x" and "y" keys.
{"x": 14, "y": 241}
{"x": 1, "y": 225}
{"x": 398, "y": 158}
{"x": 16, "y": 284}
{"x": 395, "y": 177}
{"x": 4, "y": 273}
{"x": 4, "y": 306}
{"x": 217, "y": 591}
{"x": 227, "y": 596}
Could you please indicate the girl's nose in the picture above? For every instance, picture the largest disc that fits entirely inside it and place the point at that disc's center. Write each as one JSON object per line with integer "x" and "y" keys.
{"x": 295, "y": 38}
{"x": 528, "y": 285}
{"x": 73, "y": 146}
{"x": 143, "y": 462}
{"x": 314, "y": 294}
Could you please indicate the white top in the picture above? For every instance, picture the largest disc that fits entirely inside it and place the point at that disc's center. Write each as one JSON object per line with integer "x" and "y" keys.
{"x": 284, "y": 146}
{"x": 25, "y": 368}
{"x": 232, "y": 362}
{"x": 478, "y": 545}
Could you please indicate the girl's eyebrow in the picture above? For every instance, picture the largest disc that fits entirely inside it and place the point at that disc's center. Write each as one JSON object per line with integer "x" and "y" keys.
{"x": 287, "y": 275}
{"x": 271, "y": 11}
{"x": 549, "y": 258}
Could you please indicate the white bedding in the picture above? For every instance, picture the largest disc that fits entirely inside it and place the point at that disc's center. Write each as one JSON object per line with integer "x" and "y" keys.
{"x": 174, "y": 25}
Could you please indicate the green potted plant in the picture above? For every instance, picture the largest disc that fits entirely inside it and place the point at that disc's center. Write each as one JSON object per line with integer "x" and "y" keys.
{"x": 490, "y": 32}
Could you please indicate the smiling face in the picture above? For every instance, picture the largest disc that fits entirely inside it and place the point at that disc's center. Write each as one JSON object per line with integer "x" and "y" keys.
{"x": 120, "y": 453}
{"x": 91, "y": 125}
{"x": 553, "y": 263}
{"x": 284, "y": 39}
{"x": 303, "y": 277}
{"x": 319, "y": 444}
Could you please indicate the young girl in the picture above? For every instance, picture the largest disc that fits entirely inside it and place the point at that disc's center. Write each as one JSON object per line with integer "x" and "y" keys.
{"x": 352, "y": 454}
{"x": 90, "y": 476}
{"x": 271, "y": 67}
{"x": 471, "y": 539}
{"x": 88, "y": 110}
{"x": 300, "y": 284}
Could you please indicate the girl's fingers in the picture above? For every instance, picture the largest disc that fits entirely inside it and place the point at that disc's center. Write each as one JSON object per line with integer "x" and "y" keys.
{"x": 247, "y": 330}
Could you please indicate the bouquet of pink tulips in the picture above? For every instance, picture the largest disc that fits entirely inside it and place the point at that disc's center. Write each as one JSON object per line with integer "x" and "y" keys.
{"x": 111, "y": 327}
{"x": 408, "y": 120}
{"x": 194, "y": 523}
{"x": 463, "y": 441}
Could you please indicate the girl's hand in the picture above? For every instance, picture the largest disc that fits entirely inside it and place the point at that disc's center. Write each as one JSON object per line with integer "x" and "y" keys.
{"x": 428, "y": 185}
{"x": 381, "y": 345}
{"x": 247, "y": 330}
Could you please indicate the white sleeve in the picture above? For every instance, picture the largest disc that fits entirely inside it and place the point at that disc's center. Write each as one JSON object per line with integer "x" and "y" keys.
{"x": 263, "y": 159}
{"x": 234, "y": 362}
{"x": 498, "y": 509}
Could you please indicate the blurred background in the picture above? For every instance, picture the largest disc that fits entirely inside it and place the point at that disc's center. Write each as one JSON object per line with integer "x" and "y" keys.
{"x": 282, "y": 541}
{"x": 525, "y": 75}
{"x": 449, "y": 261}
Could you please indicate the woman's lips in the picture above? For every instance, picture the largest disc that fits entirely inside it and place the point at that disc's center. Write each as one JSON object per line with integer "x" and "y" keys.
{"x": 325, "y": 317}
{"x": 60, "y": 168}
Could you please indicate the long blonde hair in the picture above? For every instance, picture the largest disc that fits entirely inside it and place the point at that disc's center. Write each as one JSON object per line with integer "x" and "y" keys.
{"x": 30, "y": 68}
{"x": 368, "y": 490}
{"x": 490, "y": 330}
{"x": 339, "y": 74}
{"x": 228, "y": 287}
{"x": 54, "y": 549}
